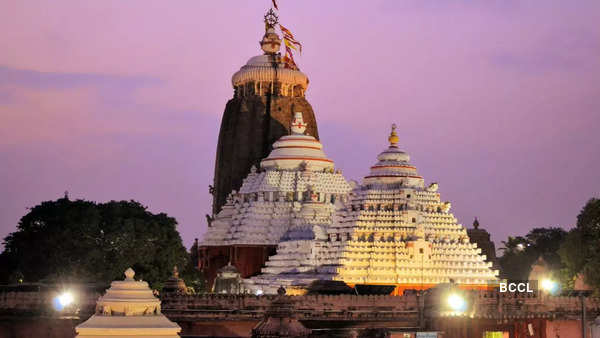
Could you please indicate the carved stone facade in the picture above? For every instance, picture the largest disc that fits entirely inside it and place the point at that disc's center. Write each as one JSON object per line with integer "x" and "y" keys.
{"x": 390, "y": 230}
{"x": 23, "y": 314}
{"x": 481, "y": 237}
{"x": 266, "y": 96}
{"x": 295, "y": 186}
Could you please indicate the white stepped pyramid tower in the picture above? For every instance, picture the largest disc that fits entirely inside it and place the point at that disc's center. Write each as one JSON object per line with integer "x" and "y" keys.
{"x": 402, "y": 233}
{"x": 272, "y": 199}
{"x": 390, "y": 231}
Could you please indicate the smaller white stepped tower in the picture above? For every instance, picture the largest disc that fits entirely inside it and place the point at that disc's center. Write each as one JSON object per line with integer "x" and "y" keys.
{"x": 401, "y": 233}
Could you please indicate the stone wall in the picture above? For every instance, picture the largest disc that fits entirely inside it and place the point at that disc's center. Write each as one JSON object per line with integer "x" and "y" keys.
{"x": 247, "y": 259}
{"x": 308, "y": 305}
{"x": 40, "y": 302}
{"x": 29, "y": 314}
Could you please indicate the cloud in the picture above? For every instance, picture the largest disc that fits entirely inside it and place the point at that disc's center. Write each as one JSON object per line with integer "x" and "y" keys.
{"x": 562, "y": 50}
{"x": 56, "y": 80}
{"x": 113, "y": 90}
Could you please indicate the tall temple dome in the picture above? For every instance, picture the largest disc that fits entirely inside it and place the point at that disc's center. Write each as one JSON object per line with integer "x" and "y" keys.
{"x": 266, "y": 96}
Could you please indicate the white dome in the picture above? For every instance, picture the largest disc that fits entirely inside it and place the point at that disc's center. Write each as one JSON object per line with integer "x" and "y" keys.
{"x": 297, "y": 151}
{"x": 294, "y": 151}
{"x": 393, "y": 167}
{"x": 260, "y": 69}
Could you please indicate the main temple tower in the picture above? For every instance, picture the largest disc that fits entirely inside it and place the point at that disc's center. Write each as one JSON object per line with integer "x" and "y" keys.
{"x": 267, "y": 93}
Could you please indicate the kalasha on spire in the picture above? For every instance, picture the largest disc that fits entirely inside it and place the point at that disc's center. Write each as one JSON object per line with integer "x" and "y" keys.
{"x": 270, "y": 42}
{"x": 393, "y": 139}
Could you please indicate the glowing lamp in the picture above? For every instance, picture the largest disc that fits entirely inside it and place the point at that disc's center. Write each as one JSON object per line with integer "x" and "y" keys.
{"x": 457, "y": 303}
{"x": 63, "y": 300}
{"x": 549, "y": 285}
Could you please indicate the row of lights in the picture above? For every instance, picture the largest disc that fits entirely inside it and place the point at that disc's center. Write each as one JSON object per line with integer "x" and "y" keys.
{"x": 455, "y": 301}
{"x": 458, "y": 303}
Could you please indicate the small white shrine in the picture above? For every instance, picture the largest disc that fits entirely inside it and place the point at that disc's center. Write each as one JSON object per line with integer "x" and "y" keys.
{"x": 128, "y": 309}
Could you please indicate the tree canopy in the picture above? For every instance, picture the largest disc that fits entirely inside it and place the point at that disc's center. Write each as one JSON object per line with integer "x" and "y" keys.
{"x": 519, "y": 253}
{"x": 84, "y": 241}
{"x": 581, "y": 250}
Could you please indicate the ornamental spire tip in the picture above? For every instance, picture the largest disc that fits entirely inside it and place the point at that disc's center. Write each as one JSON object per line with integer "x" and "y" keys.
{"x": 393, "y": 139}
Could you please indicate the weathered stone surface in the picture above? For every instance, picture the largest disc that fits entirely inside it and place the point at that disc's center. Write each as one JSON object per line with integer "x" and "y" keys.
{"x": 482, "y": 238}
{"x": 249, "y": 127}
{"x": 246, "y": 258}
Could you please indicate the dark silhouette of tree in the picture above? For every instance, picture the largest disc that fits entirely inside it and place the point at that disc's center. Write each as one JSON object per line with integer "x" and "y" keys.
{"x": 515, "y": 262}
{"x": 546, "y": 242}
{"x": 519, "y": 253}
{"x": 581, "y": 250}
{"x": 83, "y": 241}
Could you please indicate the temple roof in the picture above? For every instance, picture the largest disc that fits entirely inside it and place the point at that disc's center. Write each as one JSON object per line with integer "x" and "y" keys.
{"x": 296, "y": 184}
{"x": 297, "y": 151}
{"x": 392, "y": 231}
{"x": 393, "y": 166}
{"x": 269, "y": 66}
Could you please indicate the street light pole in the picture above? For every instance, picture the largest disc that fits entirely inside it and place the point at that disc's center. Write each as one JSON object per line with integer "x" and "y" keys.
{"x": 583, "y": 316}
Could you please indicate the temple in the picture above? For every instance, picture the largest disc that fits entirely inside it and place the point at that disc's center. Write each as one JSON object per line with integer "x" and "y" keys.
{"x": 284, "y": 216}
{"x": 402, "y": 234}
{"x": 292, "y": 193}
{"x": 266, "y": 96}
{"x": 481, "y": 237}
{"x": 390, "y": 230}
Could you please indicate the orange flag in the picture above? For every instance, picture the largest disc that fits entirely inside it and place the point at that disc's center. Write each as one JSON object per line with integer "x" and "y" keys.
{"x": 289, "y": 40}
{"x": 288, "y": 59}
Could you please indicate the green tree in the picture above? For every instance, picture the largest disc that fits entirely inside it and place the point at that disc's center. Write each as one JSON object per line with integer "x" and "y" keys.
{"x": 581, "y": 250}
{"x": 193, "y": 277}
{"x": 545, "y": 243}
{"x": 517, "y": 257}
{"x": 519, "y": 253}
{"x": 83, "y": 241}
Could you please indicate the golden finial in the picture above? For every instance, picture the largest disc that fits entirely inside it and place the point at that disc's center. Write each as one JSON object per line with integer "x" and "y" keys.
{"x": 393, "y": 137}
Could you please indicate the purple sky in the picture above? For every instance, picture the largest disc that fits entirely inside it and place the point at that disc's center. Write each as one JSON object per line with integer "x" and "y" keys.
{"x": 498, "y": 101}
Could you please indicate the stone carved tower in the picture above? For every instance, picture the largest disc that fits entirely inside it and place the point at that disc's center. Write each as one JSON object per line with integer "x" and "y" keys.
{"x": 266, "y": 96}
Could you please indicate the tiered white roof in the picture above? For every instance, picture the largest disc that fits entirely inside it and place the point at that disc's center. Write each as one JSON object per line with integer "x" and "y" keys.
{"x": 392, "y": 230}
{"x": 128, "y": 309}
{"x": 402, "y": 233}
{"x": 271, "y": 199}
